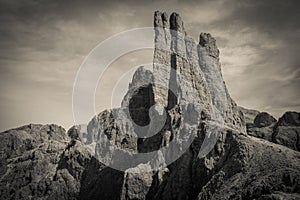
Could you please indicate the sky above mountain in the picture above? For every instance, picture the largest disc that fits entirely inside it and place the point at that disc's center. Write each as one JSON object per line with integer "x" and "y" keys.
{"x": 43, "y": 43}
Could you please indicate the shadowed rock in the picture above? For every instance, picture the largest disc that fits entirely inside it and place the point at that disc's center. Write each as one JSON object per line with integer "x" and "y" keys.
{"x": 264, "y": 119}
{"x": 287, "y": 130}
{"x": 207, "y": 41}
{"x": 289, "y": 119}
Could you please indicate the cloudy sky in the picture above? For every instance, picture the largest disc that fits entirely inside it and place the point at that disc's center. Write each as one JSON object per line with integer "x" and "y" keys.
{"x": 43, "y": 43}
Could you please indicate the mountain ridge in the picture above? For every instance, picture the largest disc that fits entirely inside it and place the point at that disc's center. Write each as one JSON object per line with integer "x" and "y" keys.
{"x": 48, "y": 162}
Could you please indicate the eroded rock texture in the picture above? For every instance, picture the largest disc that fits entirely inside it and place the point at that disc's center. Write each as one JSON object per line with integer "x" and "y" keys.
{"x": 285, "y": 131}
{"x": 177, "y": 100}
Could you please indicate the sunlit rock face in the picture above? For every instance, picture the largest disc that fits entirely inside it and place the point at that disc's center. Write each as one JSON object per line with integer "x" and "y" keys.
{"x": 177, "y": 135}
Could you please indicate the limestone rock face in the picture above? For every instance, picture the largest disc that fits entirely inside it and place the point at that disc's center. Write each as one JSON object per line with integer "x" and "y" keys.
{"x": 207, "y": 41}
{"x": 175, "y": 22}
{"x": 180, "y": 109}
{"x": 34, "y": 163}
{"x": 263, "y": 170}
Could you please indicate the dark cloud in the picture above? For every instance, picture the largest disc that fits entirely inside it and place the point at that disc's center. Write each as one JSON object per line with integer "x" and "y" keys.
{"x": 269, "y": 15}
{"x": 42, "y": 44}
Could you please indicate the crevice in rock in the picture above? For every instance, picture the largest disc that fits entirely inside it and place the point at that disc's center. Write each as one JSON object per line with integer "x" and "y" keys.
{"x": 173, "y": 87}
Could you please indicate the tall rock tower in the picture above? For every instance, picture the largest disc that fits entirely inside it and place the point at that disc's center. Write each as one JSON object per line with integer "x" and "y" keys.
{"x": 178, "y": 135}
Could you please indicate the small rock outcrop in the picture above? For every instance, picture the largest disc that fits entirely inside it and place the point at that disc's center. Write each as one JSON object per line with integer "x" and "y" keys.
{"x": 289, "y": 119}
{"x": 287, "y": 130}
{"x": 264, "y": 119}
{"x": 262, "y": 126}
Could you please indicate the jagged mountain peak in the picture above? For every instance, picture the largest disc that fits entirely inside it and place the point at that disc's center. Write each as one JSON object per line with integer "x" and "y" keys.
{"x": 149, "y": 148}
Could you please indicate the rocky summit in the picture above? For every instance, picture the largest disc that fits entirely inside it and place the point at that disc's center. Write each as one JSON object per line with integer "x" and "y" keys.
{"x": 178, "y": 135}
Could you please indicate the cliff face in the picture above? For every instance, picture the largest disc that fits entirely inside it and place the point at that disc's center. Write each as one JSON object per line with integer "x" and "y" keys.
{"x": 177, "y": 135}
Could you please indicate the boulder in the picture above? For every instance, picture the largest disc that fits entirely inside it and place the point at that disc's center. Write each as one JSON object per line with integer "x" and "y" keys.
{"x": 264, "y": 119}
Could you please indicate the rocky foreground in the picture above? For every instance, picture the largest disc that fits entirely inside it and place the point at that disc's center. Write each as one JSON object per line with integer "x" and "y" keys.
{"x": 255, "y": 155}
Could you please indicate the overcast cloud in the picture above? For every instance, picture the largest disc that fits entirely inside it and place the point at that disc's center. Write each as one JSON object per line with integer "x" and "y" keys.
{"x": 43, "y": 43}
